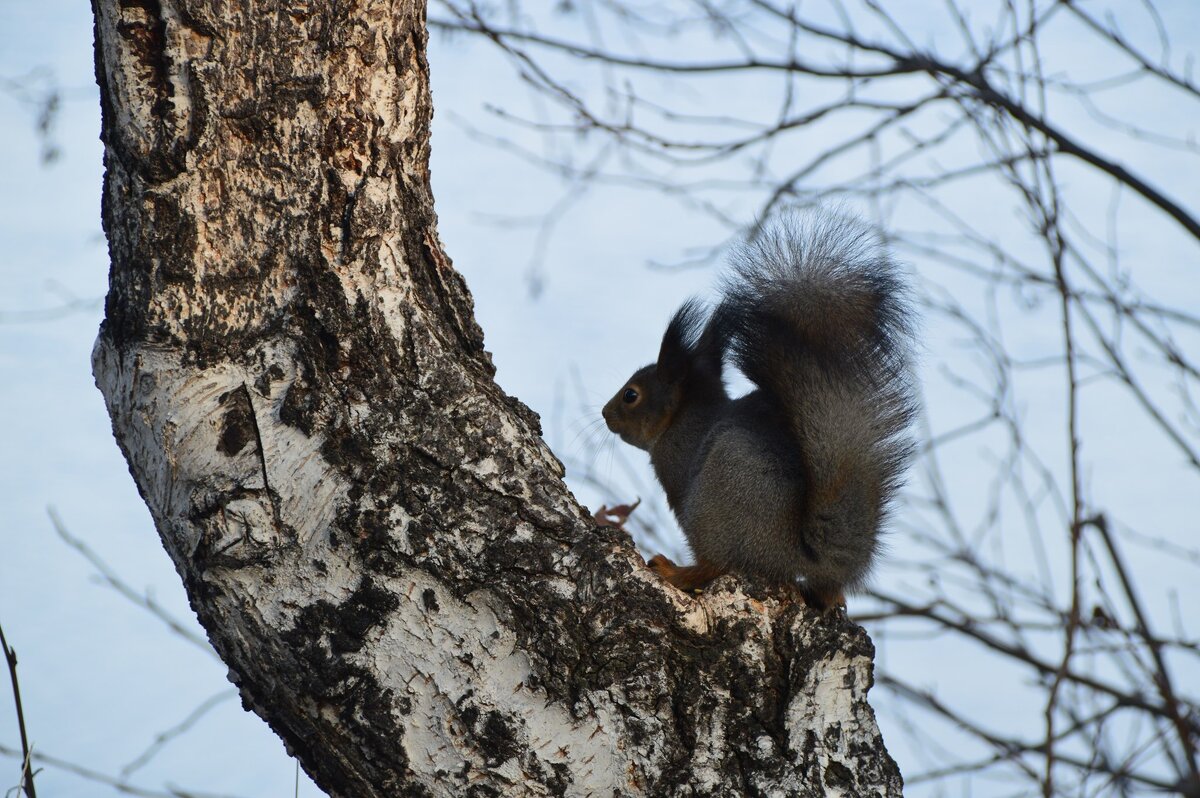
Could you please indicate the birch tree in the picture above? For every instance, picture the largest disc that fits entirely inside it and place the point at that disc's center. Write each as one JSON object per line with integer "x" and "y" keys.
{"x": 375, "y": 537}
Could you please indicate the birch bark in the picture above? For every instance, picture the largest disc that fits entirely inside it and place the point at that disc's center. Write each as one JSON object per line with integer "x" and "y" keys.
{"x": 374, "y": 535}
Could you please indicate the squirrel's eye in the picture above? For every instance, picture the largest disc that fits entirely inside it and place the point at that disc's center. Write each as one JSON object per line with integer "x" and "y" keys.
{"x": 630, "y": 396}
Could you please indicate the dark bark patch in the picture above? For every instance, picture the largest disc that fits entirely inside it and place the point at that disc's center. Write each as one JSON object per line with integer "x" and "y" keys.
{"x": 173, "y": 240}
{"x": 328, "y": 678}
{"x": 560, "y": 779}
{"x": 838, "y": 776}
{"x": 237, "y": 424}
{"x": 299, "y": 407}
{"x": 443, "y": 289}
{"x": 497, "y": 740}
{"x": 345, "y": 625}
{"x": 367, "y": 607}
{"x": 272, "y": 374}
{"x": 147, "y": 40}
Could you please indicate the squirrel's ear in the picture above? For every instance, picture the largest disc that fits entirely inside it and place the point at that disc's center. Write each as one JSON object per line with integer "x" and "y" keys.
{"x": 677, "y": 353}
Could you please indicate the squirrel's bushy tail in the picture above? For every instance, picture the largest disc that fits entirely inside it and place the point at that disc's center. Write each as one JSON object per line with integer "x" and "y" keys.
{"x": 816, "y": 314}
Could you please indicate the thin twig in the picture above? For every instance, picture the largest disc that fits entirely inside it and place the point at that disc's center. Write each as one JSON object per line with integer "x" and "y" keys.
{"x": 10, "y": 656}
{"x": 114, "y": 581}
{"x": 120, "y": 785}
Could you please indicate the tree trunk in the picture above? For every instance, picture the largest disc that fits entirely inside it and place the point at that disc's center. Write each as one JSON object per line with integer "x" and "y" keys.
{"x": 375, "y": 536}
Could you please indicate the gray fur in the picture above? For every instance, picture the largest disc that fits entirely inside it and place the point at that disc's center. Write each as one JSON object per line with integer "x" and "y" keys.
{"x": 795, "y": 478}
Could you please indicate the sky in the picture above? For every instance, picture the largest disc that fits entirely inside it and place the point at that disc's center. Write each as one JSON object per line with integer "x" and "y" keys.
{"x": 101, "y": 677}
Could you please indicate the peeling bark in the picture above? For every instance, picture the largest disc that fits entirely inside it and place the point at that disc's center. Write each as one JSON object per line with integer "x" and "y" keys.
{"x": 375, "y": 536}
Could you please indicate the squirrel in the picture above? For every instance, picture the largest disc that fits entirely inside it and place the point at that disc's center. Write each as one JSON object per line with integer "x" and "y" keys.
{"x": 794, "y": 479}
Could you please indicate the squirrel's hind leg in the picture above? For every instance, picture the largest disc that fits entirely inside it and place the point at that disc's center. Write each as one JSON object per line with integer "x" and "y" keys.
{"x": 823, "y": 598}
{"x": 684, "y": 577}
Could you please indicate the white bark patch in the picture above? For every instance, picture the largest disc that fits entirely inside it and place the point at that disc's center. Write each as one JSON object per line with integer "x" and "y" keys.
{"x": 423, "y": 650}
{"x": 175, "y": 421}
{"x": 830, "y": 710}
